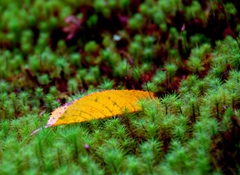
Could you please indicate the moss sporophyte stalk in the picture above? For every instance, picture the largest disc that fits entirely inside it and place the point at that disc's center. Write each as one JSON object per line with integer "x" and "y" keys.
{"x": 185, "y": 52}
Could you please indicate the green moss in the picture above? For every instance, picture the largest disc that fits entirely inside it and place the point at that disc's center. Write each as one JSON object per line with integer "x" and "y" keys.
{"x": 186, "y": 52}
{"x": 136, "y": 21}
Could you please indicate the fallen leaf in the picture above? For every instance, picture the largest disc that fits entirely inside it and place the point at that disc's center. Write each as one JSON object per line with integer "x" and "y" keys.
{"x": 97, "y": 105}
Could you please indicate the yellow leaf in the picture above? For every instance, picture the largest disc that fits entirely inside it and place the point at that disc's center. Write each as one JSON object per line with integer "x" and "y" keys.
{"x": 98, "y": 105}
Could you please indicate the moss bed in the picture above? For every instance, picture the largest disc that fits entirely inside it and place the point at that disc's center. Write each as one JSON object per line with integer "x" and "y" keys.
{"x": 185, "y": 51}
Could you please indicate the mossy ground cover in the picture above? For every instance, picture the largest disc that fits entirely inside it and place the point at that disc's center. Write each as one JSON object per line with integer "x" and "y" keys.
{"x": 185, "y": 51}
